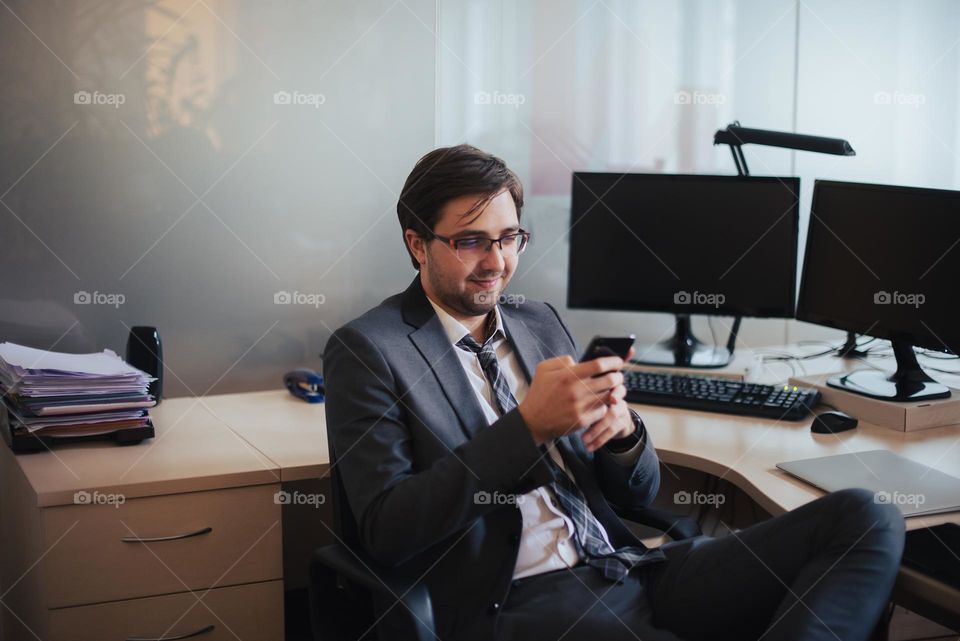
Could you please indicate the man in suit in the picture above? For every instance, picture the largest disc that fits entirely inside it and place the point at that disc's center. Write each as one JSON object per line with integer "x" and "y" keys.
{"x": 477, "y": 454}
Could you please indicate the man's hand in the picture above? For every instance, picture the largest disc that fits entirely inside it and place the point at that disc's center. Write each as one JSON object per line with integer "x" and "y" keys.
{"x": 565, "y": 396}
{"x": 616, "y": 423}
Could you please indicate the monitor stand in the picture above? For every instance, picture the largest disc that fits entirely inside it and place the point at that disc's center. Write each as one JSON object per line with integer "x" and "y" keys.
{"x": 849, "y": 348}
{"x": 908, "y": 383}
{"x": 686, "y": 350}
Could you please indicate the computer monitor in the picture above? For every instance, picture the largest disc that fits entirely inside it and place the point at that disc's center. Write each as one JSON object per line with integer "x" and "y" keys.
{"x": 684, "y": 244}
{"x": 883, "y": 261}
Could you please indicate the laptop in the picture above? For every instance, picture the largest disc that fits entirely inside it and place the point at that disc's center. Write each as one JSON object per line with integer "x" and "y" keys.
{"x": 916, "y": 489}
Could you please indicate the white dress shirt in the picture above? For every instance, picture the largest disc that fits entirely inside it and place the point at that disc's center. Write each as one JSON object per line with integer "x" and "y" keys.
{"x": 546, "y": 539}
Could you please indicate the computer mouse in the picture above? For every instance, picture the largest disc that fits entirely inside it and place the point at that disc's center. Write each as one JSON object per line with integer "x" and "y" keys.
{"x": 832, "y": 422}
{"x": 305, "y": 383}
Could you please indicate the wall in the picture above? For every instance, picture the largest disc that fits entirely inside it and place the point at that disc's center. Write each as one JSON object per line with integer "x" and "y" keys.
{"x": 225, "y": 152}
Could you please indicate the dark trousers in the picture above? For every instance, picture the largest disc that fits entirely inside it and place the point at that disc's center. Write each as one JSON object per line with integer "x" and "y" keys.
{"x": 821, "y": 572}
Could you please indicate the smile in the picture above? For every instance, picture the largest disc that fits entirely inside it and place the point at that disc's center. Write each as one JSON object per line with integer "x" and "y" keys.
{"x": 486, "y": 283}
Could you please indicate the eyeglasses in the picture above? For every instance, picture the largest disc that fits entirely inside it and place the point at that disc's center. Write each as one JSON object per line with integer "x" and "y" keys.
{"x": 512, "y": 244}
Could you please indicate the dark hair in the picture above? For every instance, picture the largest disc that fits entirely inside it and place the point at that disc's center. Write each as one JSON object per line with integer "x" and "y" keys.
{"x": 448, "y": 173}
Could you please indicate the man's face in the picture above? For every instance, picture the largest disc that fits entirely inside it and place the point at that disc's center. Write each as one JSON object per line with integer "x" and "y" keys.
{"x": 469, "y": 283}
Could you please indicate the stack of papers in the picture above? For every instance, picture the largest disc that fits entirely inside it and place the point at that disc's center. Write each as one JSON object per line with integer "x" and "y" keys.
{"x": 59, "y": 394}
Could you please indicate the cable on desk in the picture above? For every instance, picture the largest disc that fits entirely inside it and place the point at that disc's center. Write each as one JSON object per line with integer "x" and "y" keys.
{"x": 786, "y": 356}
{"x": 713, "y": 334}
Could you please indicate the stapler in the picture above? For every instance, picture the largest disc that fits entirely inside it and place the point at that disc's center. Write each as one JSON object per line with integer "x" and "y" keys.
{"x": 305, "y": 383}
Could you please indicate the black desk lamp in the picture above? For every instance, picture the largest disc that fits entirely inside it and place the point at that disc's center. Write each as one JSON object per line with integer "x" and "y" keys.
{"x": 737, "y": 136}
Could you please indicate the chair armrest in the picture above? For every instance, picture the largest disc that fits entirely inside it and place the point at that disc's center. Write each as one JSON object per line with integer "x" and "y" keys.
{"x": 673, "y": 525}
{"x": 360, "y": 569}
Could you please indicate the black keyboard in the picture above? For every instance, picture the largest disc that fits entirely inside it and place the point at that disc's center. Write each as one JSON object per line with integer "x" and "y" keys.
{"x": 715, "y": 394}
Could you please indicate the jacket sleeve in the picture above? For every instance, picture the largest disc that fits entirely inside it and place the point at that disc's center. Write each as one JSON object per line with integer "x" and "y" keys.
{"x": 632, "y": 485}
{"x": 402, "y": 510}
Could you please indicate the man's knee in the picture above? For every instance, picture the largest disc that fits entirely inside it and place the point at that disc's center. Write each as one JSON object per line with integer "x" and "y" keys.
{"x": 873, "y": 504}
{"x": 870, "y": 512}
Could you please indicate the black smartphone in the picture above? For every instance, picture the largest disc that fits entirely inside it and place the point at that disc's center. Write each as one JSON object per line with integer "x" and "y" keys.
{"x": 608, "y": 346}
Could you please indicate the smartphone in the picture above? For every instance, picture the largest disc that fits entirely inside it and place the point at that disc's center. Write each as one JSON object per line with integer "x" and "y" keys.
{"x": 608, "y": 346}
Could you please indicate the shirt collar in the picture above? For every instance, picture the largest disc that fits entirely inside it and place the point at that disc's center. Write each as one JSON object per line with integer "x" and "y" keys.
{"x": 455, "y": 330}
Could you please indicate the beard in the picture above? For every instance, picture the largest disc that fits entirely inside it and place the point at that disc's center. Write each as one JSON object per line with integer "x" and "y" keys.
{"x": 465, "y": 302}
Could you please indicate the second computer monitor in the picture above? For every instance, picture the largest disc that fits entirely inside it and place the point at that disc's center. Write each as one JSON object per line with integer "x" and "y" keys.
{"x": 684, "y": 244}
{"x": 883, "y": 260}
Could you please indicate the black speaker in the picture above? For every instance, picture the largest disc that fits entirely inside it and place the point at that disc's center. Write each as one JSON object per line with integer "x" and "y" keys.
{"x": 144, "y": 352}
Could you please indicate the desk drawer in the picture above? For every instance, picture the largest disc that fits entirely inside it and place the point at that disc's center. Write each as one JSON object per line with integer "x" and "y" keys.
{"x": 253, "y": 611}
{"x": 160, "y": 545}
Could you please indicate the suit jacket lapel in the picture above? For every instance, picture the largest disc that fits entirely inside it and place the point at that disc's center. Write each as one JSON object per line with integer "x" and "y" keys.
{"x": 432, "y": 343}
{"x": 527, "y": 345}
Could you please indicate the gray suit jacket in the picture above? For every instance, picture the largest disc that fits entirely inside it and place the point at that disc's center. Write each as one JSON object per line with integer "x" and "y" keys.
{"x": 413, "y": 449}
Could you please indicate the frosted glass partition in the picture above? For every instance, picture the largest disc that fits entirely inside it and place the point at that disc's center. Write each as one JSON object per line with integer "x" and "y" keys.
{"x": 886, "y": 76}
{"x": 626, "y": 85}
{"x": 576, "y": 85}
{"x": 225, "y": 170}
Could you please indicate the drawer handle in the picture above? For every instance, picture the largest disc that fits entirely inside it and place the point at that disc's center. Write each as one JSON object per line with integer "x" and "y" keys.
{"x": 188, "y": 635}
{"x": 172, "y": 537}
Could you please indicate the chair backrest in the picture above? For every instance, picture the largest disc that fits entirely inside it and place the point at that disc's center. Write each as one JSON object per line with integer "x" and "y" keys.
{"x": 344, "y": 523}
{"x": 375, "y": 609}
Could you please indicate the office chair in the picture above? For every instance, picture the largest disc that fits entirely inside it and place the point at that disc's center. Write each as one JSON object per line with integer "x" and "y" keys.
{"x": 350, "y": 591}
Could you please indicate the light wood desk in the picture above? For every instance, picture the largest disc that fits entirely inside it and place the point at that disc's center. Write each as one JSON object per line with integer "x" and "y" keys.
{"x": 745, "y": 451}
{"x": 220, "y": 461}
{"x": 742, "y": 450}
{"x": 72, "y": 567}
{"x": 290, "y": 432}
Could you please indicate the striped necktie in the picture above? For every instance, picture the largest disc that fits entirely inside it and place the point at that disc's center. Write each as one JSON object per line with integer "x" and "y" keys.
{"x": 590, "y": 543}
{"x": 491, "y": 369}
